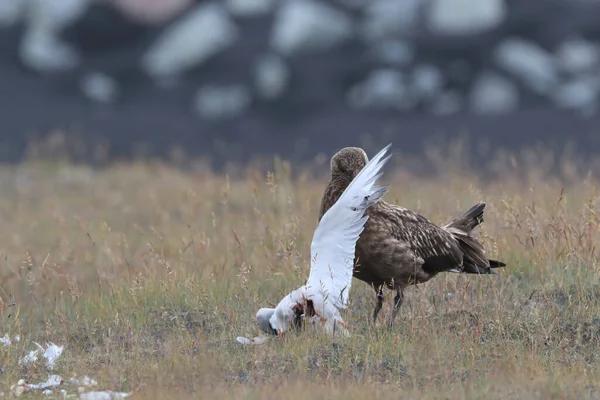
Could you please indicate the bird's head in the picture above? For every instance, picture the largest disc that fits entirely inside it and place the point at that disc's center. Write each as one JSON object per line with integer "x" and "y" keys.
{"x": 348, "y": 162}
{"x": 281, "y": 319}
{"x": 289, "y": 312}
{"x": 262, "y": 319}
{"x": 276, "y": 321}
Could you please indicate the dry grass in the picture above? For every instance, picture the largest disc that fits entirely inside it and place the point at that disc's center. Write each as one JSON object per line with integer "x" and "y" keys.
{"x": 147, "y": 274}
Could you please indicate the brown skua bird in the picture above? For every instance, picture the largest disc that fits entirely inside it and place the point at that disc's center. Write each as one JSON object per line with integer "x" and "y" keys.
{"x": 399, "y": 247}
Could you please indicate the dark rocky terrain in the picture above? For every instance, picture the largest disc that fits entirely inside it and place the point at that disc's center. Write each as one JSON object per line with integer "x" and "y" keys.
{"x": 304, "y": 78}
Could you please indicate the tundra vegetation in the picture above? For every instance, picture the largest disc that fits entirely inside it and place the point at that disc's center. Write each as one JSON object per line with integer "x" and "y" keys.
{"x": 146, "y": 273}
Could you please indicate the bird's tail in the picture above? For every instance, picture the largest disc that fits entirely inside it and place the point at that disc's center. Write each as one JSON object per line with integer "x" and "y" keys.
{"x": 474, "y": 259}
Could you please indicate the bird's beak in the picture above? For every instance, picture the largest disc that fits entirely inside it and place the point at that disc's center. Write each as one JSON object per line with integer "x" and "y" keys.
{"x": 280, "y": 332}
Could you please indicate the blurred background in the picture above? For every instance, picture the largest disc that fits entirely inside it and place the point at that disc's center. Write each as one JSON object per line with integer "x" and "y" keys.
{"x": 235, "y": 79}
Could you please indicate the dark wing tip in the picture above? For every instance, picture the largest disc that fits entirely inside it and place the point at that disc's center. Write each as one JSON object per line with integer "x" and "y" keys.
{"x": 496, "y": 264}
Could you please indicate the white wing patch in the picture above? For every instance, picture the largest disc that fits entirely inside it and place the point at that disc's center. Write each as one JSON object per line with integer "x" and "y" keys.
{"x": 334, "y": 242}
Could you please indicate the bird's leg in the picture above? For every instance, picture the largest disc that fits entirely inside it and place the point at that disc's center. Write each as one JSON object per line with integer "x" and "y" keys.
{"x": 379, "y": 304}
{"x": 342, "y": 323}
{"x": 397, "y": 303}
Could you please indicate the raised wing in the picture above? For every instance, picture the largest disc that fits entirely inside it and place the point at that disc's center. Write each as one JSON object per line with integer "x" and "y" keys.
{"x": 334, "y": 241}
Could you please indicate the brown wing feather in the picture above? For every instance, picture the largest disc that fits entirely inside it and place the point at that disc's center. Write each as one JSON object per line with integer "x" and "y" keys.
{"x": 438, "y": 248}
{"x": 382, "y": 257}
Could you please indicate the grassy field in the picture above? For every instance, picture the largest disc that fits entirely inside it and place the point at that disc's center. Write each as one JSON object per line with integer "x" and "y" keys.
{"x": 146, "y": 275}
